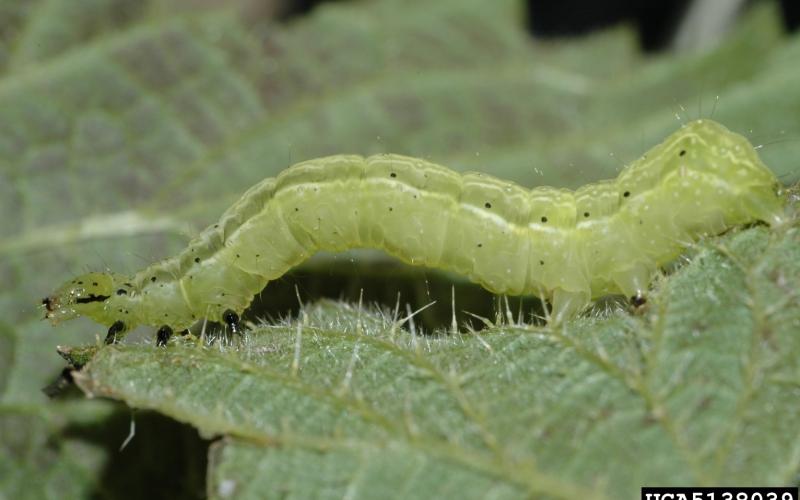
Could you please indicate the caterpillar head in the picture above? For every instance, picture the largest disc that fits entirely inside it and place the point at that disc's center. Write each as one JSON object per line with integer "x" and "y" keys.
{"x": 706, "y": 164}
{"x": 84, "y": 295}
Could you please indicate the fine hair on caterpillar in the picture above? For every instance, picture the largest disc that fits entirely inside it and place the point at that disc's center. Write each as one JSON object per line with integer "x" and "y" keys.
{"x": 567, "y": 247}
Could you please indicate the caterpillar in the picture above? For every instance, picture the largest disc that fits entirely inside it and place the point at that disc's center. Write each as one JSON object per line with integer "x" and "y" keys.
{"x": 567, "y": 247}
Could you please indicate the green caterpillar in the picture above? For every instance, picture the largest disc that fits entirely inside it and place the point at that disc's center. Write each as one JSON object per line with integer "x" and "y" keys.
{"x": 563, "y": 246}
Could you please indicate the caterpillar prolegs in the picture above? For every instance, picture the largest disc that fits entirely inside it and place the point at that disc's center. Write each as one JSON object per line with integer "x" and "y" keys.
{"x": 563, "y": 246}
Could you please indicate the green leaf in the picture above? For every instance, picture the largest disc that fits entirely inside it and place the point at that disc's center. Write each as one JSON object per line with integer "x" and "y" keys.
{"x": 701, "y": 389}
{"x": 127, "y": 125}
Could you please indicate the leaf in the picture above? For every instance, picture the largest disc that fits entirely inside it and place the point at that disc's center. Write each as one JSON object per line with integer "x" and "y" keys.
{"x": 125, "y": 126}
{"x": 342, "y": 402}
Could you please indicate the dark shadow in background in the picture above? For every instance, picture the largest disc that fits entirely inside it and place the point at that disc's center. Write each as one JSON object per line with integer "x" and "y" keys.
{"x": 656, "y": 22}
{"x": 165, "y": 459}
{"x": 791, "y": 14}
{"x": 380, "y": 282}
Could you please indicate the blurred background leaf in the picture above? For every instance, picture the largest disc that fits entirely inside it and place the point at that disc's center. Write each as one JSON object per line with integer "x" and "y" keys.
{"x": 125, "y": 126}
